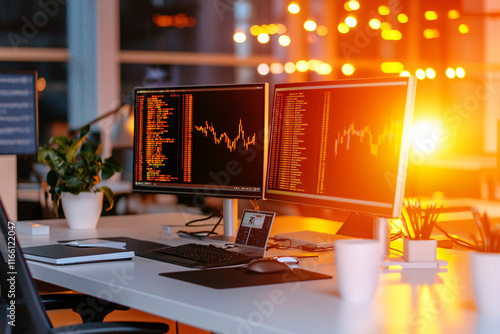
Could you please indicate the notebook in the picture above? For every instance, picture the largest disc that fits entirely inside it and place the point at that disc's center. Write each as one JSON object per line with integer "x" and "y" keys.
{"x": 251, "y": 240}
{"x": 61, "y": 254}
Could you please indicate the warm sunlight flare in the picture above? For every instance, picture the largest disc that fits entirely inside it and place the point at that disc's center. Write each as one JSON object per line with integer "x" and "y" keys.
{"x": 426, "y": 135}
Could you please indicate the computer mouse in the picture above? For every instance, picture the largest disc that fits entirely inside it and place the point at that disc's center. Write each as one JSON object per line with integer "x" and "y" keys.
{"x": 267, "y": 266}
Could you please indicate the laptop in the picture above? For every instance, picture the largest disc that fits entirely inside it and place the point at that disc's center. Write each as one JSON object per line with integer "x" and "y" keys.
{"x": 250, "y": 243}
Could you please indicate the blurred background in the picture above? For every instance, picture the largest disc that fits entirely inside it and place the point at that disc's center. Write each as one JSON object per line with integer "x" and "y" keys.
{"x": 91, "y": 54}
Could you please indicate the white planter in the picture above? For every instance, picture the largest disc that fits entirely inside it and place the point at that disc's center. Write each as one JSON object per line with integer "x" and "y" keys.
{"x": 419, "y": 250}
{"x": 485, "y": 277}
{"x": 82, "y": 211}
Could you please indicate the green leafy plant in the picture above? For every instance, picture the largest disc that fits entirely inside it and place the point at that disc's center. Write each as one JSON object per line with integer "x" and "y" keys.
{"x": 419, "y": 222}
{"x": 76, "y": 165}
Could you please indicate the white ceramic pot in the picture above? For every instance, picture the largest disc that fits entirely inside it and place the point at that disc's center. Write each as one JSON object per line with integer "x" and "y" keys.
{"x": 419, "y": 250}
{"x": 82, "y": 211}
{"x": 485, "y": 277}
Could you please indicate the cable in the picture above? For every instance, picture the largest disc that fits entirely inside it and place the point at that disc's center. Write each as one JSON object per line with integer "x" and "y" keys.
{"x": 202, "y": 234}
{"x": 191, "y": 223}
{"x": 255, "y": 205}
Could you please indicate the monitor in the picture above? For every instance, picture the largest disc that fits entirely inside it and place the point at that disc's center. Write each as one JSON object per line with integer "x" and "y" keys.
{"x": 202, "y": 141}
{"x": 342, "y": 144}
{"x": 18, "y": 113}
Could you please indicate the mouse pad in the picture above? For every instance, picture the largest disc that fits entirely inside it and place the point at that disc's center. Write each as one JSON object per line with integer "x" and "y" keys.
{"x": 238, "y": 277}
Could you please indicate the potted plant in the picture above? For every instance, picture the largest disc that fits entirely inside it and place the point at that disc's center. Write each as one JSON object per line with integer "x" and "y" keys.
{"x": 418, "y": 223}
{"x": 76, "y": 169}
{"x": 485, "y": 265}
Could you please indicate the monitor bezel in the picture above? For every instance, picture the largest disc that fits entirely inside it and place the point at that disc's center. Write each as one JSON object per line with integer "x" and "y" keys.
{"x": 37, "y": 130}
{"x": 396, "y": 206}
{"x": 203, "y": 189}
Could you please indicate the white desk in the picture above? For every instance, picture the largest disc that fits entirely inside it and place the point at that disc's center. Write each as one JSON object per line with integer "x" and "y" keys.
{"x": 413, "y": 301}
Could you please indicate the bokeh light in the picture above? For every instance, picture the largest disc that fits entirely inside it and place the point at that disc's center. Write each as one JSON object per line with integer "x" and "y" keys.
{"x": 374, "y": 24}
{"x": 431, "y": 33}
{"x": 302, "y": 65}
{"x": 240, "y": 37}
{"x": 453, "y": 14}
{"x": 263, "y": 38}
{"x": 450, "y": 73}
{"x": 392, "y": 67}
{"x": 351, "y": 21}
{"x": 391, "y": 35}
{"x": 430, "y": 73}
{"x": 290, "y": 67}
{"x": 263, "y": 69}
{"x": 322, "y": 30}
{"x": 284, "y": 40}
{"x": 324, "y": 69}
{"x": 384, "y": 10}
{"x": 405, "y": 74}
{"x": 463, "y": 28}
{"x": 431, "y": 15}
{"x": 310, "y": 25}
{"x": 255, "y": 30}
{"x": 293, "y": 8}
{"x": 276, "y": 68}
{"x": 402, "y": 18}
{"x": 348, "y": 69}
{"x": 352, "y": 5}
{"x": 343, "y": 28}
{"x": 460, "y": 72}
{"x": 41, "y": 84}
{"x": 420, "y": 74}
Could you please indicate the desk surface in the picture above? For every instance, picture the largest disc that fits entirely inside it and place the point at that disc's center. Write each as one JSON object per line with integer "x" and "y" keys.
{"x": 410, "y": 301}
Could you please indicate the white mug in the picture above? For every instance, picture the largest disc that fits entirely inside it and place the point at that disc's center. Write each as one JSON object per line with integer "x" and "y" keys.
{"x": 357, "y": 264}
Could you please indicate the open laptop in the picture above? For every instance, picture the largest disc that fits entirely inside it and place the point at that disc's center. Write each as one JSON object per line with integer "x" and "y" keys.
{"x": 250, "y": 243}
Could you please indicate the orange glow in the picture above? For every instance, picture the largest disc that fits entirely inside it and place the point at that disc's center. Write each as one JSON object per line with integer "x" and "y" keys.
{"x": 276, "y": 68}
{"x": 431, "y": 33}
{"x": 240, "y": 37}
{"x": 431, "y": 15}
{"x": 284, "y": 40}
{"x": 255, "y": 30}
{"x": 402, "y": 18}
{"x": 384, "y": 10}
{"x": 310, "y": 25}
{"x": 263, "y": 38}
{"x": 420, "y": 74}
{"x": 263, "y": 69}
{"x": 430, "y": 73}
{"x": 463, "y": 28}
{"x": 343, "y": 28}
{"x": 289, "y": 67}
{"x": 392, "y": 67}
{"x": 180, "y": 20}
{"x": 450, "y": 73}
{"x": 322, "y": 30}
{"x": 351, "y": 21}
{"x": 453, "y": 14}
{"x": 129, "y": 125}
{"x": 391, "y": 35}
{"x": 460, "y": 72}
{"x": 425, "y": 131}
{"x": 348, "y": 69}
{"x": 302, "y": 66}
{"x": 293, "y": 8}
{"x": 41, "y": 84}
{"x": 374, "y": 24}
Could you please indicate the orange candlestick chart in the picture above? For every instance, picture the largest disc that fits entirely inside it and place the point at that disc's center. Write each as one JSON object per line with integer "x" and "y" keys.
{"x": 365, "y": 135}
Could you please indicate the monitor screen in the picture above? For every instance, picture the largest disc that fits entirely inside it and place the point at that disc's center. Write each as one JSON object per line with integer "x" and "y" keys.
{"x": 18, "y": 113}
{"x": 342, "y": 144}
{"x": 201, "y": 140}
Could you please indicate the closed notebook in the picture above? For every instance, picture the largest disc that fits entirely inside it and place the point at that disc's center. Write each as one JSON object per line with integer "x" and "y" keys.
{"x": 62, "y": 254}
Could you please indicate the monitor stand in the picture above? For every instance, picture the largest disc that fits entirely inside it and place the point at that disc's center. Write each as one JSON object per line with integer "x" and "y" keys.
{"x": 230, "y": 221}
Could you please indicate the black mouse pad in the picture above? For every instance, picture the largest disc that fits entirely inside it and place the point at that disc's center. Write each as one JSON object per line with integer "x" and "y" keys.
{"x": 226, "y": 278}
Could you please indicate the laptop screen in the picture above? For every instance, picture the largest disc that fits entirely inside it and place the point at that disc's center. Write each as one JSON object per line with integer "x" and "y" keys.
{"x": 254, "y": 229}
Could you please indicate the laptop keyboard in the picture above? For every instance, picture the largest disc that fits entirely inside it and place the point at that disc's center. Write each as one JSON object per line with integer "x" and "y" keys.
{"x": 198, "y": 255}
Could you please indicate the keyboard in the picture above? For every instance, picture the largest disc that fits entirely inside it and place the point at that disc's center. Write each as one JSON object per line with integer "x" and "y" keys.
{"x": 197, "y": 256}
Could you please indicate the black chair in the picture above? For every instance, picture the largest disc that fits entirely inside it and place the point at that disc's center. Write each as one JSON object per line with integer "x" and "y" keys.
{"x": 20, "y": 303}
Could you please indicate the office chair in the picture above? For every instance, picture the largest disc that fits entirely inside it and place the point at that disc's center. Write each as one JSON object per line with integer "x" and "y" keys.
{"x": 29, "y": 314}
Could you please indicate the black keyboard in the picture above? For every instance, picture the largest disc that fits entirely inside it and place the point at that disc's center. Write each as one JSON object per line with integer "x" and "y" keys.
{"x": 197, "y": 256}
